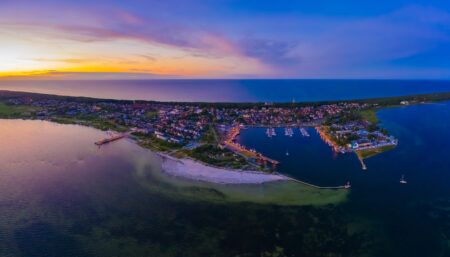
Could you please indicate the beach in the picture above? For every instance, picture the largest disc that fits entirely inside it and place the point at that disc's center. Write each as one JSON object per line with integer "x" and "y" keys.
{"x": 194, "y": 170}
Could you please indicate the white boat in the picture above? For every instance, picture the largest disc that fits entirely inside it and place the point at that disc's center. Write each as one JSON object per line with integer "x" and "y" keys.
{"x": 287, "y": 153}
{"x": 347, "y": 186}
{"x": 402, "y": 180}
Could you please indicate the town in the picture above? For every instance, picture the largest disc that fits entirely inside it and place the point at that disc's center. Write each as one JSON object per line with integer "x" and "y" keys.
{"x": 207, "y": 132}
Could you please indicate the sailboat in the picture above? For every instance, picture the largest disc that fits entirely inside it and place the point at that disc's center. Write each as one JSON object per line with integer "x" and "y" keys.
{"x": 402, "y": 180}
{"x": 287, "y": 153}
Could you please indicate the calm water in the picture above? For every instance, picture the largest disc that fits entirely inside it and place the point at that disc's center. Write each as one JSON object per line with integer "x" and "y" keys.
{"x": 231, "y": 90}
{"x": 60, "y": 195}
{"x": 415, "y": 217}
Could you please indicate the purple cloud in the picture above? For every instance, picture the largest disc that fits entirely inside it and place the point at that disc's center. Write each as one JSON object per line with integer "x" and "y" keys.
{"x": 275, "y": 53}
{"x": 293, "y": 45}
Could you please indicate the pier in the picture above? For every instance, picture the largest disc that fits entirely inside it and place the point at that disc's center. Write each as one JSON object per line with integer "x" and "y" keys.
{"x": 110, "y": 139}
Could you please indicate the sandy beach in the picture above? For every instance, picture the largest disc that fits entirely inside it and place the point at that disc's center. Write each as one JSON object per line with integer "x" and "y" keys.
{"x": 190, "y": 169}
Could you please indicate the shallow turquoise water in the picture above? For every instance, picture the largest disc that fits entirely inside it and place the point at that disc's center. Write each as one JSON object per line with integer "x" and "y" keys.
{"x": 61, "y": 195}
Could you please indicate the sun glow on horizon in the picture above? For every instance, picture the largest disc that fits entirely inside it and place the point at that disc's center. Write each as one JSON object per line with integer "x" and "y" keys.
{"x": 52, "y": 53}
{"x": 70, "y": 38}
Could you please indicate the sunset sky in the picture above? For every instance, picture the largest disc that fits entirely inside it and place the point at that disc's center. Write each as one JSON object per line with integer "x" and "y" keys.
{"x": 224, "y": 39}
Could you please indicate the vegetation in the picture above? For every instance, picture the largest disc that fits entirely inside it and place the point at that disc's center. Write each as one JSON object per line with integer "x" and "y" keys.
{"x": 210, "y": 136}
{"x": 370, "y": 115}
{"x": 151, "y": 114}
{"x": 91, "y": 122}
{"x": 216, "y": 156}
{"x": 380, "y": 102}
{"x": 367, "y": 153}
{"x": 14, "y": 111}
{"x": 153, "y": 143}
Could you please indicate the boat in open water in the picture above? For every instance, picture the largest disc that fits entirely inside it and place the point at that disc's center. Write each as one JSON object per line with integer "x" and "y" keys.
{"x": 402, "y": 180}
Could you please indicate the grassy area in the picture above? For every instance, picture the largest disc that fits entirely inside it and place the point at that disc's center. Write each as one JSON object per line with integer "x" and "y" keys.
{"x": 15, "y": 111}
{"x": 151, "y": 114}
{"x": 91, "y": 122}
{"x": 370, "y": 115}
{"x": 364, "y": 154}
{"x": 153, "y": 143}
{"x": 213, "y": 155}
{"x": 210, "y": 136}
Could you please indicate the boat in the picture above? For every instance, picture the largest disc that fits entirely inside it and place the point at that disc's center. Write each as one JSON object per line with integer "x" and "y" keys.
{"x": 287, "y": 153}
{"x": 402, "y": 180}
{"x": 347, "y": 186}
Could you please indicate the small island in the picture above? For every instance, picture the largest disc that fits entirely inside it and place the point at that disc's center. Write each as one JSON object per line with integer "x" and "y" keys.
{"x": 192, "y": 134}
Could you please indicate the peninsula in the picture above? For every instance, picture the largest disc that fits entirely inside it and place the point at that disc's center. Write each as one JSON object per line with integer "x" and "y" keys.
{"x": 198, "y": 140}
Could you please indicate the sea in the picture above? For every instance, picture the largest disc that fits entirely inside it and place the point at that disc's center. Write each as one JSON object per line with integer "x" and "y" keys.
{"x": 221, "y": 90}
{"x": 60, "y": 195}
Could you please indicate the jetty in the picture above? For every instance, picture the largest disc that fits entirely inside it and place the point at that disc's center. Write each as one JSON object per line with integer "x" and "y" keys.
{"x": 346, "y": 186}
{"x": 363, "y": 164}
{"x": 110, "y": 139}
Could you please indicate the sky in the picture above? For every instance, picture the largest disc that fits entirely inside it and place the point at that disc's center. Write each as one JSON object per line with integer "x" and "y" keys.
{"x": 144, "y": 39}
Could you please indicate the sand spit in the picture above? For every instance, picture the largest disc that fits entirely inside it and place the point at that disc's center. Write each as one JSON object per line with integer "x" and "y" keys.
{"x": 194, "y": 170}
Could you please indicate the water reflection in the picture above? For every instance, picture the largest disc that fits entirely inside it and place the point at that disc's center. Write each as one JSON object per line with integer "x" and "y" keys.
{"x": 230, "y": 90}
{"x": 60, "y": 195}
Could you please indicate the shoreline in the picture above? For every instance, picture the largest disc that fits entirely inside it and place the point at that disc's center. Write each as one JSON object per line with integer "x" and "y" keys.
{"x": 198, "y": 171}
{"x": 194, "y": 170}
{"x": 187, "y": 168}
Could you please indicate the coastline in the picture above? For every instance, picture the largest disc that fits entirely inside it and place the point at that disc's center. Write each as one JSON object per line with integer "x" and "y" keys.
{"x": 195, "y": 170}
{"x": 180, "y": 167}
